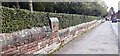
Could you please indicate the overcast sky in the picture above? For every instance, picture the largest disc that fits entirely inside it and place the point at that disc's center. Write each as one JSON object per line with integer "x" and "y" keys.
{"x": 112, "y": 3}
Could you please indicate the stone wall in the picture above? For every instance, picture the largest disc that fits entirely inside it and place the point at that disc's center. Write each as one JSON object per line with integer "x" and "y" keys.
{"x": 34, "y": 41}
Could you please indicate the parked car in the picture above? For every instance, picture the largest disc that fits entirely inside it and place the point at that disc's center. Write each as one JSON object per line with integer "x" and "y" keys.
{"x": 114, "y": 20}
{"x": 103, "y": 20}
{"x": 118, "y": 20}
{"x": 107, "y": 19}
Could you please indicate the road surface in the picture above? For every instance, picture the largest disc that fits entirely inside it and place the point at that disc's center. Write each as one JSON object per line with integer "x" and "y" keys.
{"x": 100, "y": 40}
{"x": 116, "y": 27}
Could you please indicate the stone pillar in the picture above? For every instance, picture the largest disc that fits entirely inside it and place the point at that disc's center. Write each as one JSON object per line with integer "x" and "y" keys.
{"x": 54, "y": 26}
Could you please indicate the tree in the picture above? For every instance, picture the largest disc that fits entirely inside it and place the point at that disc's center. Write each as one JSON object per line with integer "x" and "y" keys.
{"x": 84, "y": 8}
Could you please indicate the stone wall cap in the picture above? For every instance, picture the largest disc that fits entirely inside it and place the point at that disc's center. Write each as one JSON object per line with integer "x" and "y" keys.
{"x": 54, "y": 19}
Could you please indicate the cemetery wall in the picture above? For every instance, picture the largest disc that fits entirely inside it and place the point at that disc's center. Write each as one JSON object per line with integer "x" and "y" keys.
{"x": 34, "y": 41}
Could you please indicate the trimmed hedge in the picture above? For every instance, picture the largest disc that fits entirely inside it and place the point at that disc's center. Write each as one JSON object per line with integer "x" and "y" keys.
{"x": 18, "y": 19}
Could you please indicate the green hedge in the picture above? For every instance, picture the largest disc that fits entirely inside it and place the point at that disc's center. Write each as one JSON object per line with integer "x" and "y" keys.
{"x": 18, "y": 19}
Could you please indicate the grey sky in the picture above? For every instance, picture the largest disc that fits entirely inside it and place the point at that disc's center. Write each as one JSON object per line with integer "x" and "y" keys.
{"x": 112, "y": 3}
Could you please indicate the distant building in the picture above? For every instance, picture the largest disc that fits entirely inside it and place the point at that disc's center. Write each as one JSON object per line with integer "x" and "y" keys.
{"x": 110, "y": 14}
{"x": 118, "y": 15}
{"x": 119, "y": 6}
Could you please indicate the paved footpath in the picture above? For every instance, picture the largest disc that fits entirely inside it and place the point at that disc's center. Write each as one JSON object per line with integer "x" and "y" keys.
{"x": 100, "y": 40}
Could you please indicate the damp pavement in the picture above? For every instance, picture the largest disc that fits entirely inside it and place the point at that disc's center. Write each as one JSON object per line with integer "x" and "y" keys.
{"x": 100, "y": 40}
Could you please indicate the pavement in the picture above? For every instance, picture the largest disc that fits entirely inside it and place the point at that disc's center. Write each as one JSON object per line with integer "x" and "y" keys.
{"x": 100, "y": 40}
